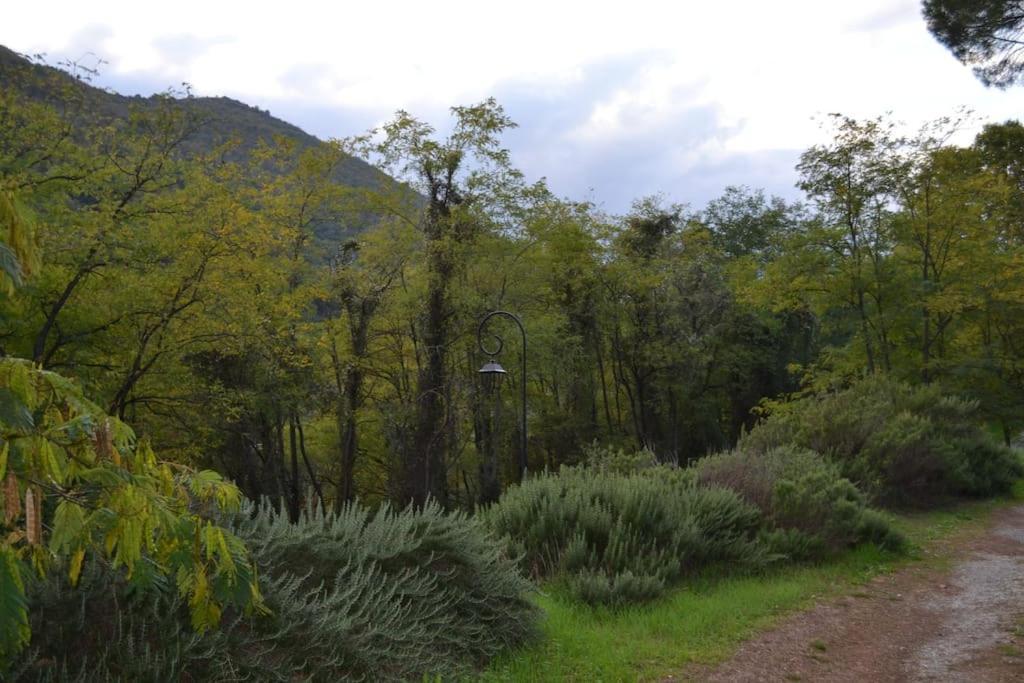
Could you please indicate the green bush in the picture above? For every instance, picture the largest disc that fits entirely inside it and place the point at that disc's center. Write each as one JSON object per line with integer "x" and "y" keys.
{"x": 618, "y": 460}
{"x": 359, "y": 595}
{"x": 900, "y": 444}
{"x": 104, "y": 629}
{"x": 386, "y": 594}
{"x": 809, "y": 508}
{"x": 642, "y": 462}
{"x": 618, "y": 538}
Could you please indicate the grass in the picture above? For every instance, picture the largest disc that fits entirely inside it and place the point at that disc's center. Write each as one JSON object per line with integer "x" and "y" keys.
{"x": 703, "y": 622}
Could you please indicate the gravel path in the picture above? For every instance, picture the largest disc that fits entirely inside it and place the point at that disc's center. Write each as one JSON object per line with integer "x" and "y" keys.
{"x": 918, "y": 624}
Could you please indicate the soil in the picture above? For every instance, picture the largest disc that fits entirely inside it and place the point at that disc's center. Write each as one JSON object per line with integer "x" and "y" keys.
{"x": 920, "y": 623}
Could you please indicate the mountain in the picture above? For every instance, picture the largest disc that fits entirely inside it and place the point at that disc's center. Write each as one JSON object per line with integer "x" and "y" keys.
{"x": 228, "y": 118}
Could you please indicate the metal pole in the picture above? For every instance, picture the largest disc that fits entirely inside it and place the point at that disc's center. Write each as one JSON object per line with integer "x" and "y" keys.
{"x": 522, "y": 379}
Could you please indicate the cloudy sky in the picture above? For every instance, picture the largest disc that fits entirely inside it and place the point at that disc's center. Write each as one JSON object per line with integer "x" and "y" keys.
{"x": 614, "y": 101}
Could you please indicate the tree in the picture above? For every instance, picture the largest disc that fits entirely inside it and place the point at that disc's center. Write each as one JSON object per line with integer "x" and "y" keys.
{"x": 363, "y": 273}
{"x": 672, "y": 316}
{"x": 985, "y": 34}
{"x": 746, "y": 223}
{"x": 137, "y": 166}
{"x": 1001, "y": 146}
{"x": 842, "y": 260}
{"x": 989, "y": 356}
{"x": 467, "y": 183}
{"x": 78, "y": 486}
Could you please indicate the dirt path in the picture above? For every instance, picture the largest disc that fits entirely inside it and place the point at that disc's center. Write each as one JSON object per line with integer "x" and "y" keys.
{"x": 917, "y": 624}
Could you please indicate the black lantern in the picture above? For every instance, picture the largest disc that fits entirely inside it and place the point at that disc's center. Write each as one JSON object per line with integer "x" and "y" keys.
{"x": 492, "y": 372}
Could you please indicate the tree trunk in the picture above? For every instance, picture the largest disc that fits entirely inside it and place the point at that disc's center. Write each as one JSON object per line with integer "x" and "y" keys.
{"x": 309, "y": 465}
{"x": 425, "y": 475}
{"x": 295, "y": 506}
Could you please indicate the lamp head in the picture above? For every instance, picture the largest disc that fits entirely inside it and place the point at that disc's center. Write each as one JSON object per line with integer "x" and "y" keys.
{"x": 492, "y": 368}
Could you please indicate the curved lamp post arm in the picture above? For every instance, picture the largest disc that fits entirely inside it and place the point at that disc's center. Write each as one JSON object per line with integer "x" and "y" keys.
{"x": 494, "y": 351}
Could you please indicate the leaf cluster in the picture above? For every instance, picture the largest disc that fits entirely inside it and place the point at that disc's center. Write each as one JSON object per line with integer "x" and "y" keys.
{"x": 78, "y": 487}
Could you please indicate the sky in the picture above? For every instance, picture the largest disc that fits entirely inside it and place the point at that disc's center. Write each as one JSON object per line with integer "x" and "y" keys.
{"x": 614, "y": 101}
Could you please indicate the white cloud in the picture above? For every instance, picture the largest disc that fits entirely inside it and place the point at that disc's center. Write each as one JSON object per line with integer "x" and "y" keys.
{"x": 652, "y": 91}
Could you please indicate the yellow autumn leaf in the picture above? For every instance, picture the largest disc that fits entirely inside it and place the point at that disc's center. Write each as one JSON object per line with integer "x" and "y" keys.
{"x": 75, "y": 568}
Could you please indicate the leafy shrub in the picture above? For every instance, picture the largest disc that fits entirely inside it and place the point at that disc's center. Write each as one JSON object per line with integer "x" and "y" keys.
{"x": 874, "y": 527}
{"x": 618, "y": 538}
{"x": 644, "y": 462}
{"x": 617, "y": 460}
{"x": 598, "y": 588}
{"x": 386, "y": 594}
{"x": 752, "y": 478}
{"x": 810, "y": 509}
{"x": 102, "y": 630}
{"x": 78, "y": 486}
{"x": 357, "y": 595}
{"x": 900, "y": 444}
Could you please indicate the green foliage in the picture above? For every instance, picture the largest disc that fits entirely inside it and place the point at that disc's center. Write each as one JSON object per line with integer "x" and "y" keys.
{"x": 705, "y": 622}
{"x": 231, "y": 283}
{"x": 617, "y": 538}
{"x": 618, "y": 460}
{"x": 357, "y": 595}
{"x": 900, "y": 444}
{"x": 103, "y": 630}
{"x": 14, "y": 628}
{"x": 810, "y": 509}
{"x": 77, "y": 485}
{"x": 616, "y": 590}
{"x": 18, "y": 253}
{"x": 984, "y": 34}
{"x": 389, "y": 595}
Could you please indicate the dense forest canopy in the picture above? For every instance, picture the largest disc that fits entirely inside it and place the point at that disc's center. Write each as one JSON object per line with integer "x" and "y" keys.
{"x": 237, "y": 298}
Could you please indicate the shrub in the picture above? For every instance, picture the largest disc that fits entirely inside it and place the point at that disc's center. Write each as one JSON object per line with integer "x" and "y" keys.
{"x": 386, "y": 594}
{"x": 619, "y": 538}
{"x": 598, "y": 588}
{"x": 78, "y": 486}
{"x": 618, "y": 460}
{"x": 642, "y": 462}
{"x": 810, "y": 509}
{"x": 900, "y": 444}
{"x": 357, "y": 595}
{"x": 752, "y": 478}
{"x": 102, "y": 630}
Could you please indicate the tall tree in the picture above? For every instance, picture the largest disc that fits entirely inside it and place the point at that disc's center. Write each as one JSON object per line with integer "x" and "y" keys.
{"x": 851, "y": 183}
{"x": 363, "y": 275}
{"x": 467, "y": 182}
{"x": 985, "y": 34}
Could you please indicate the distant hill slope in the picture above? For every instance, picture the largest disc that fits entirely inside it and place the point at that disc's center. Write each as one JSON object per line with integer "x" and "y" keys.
{"x": 228, "y": 118}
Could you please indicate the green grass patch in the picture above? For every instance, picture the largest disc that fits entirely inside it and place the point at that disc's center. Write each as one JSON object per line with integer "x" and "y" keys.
{"x": 703, "y": 622}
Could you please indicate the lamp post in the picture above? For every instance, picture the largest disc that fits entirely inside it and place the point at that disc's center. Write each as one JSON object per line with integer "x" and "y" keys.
{"x": 492, "y": 367}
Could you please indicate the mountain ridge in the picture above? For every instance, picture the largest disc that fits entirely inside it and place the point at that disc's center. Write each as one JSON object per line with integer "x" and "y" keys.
{"x": 227, "y": 117}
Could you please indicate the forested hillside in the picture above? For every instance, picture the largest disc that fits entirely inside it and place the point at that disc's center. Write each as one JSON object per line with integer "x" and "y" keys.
{"x": 223, "y": 118}
{"x": 204, "y": 292}
{"x": 299, "y": 317}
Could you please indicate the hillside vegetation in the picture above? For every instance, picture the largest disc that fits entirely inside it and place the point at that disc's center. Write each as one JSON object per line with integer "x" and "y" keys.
{"x": 244, "y": 435}
{"x": 224, "y": 118}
